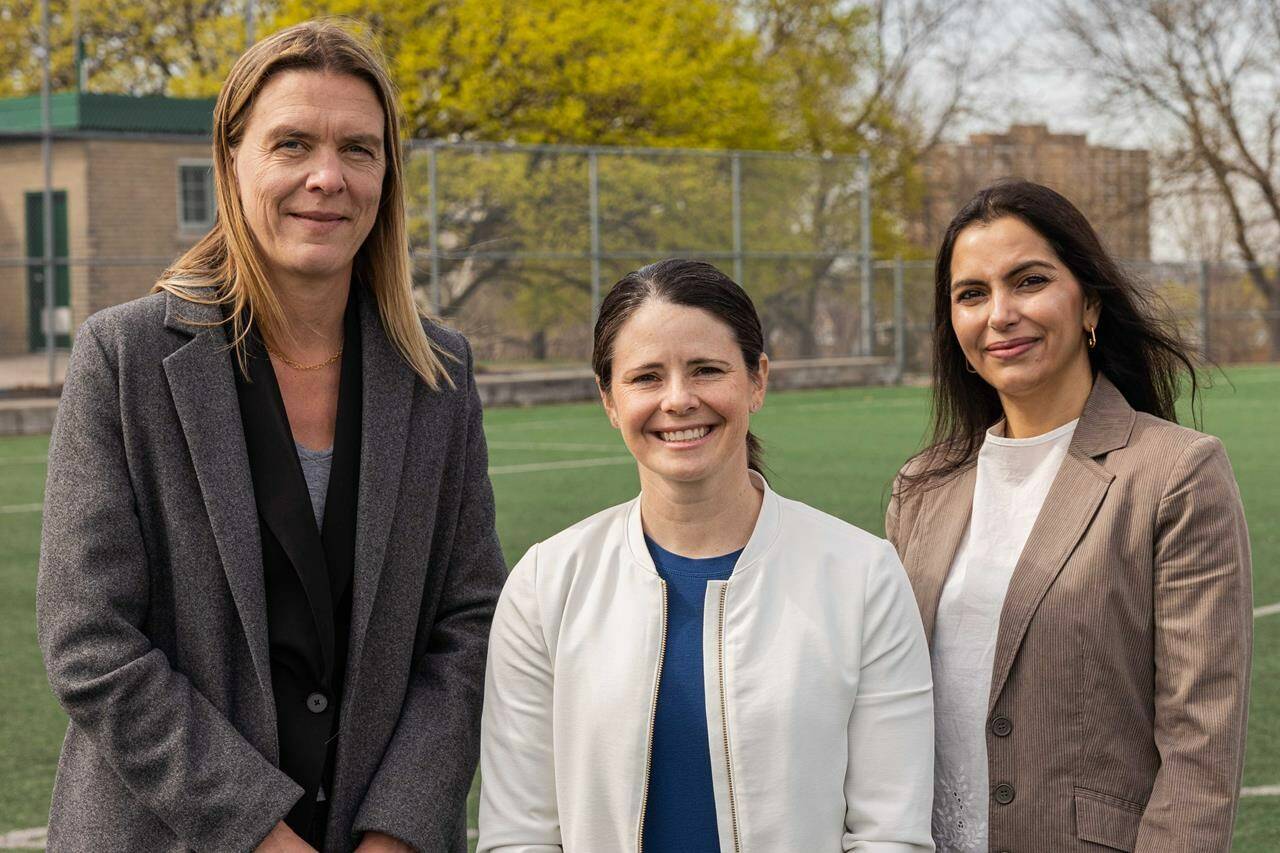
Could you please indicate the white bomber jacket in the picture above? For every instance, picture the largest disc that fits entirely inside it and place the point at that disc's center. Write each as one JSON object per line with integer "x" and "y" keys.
{"x": 818, "y": 692}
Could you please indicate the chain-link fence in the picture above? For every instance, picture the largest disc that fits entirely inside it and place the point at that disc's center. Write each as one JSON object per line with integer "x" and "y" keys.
{"x": 515, "y": 245}
{"x": 1218, "y": 309}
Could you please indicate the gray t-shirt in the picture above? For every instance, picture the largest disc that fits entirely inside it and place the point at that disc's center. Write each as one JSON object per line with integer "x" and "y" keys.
{"x": 315, "y": 470}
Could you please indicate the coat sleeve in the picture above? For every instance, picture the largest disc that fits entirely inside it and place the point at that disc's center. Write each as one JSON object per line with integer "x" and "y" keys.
{"x": 518, "y": 808}
{"x": 1203, "y": 645}
{"x": 174, "y": 751}
{"x": 889, "y": 783}
{"x": 893, "y": 515}
{"x": 440, "y": 716}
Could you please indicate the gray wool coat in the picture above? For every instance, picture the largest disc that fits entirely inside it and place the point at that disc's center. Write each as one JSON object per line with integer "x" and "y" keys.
{"x": 151, "y": 608}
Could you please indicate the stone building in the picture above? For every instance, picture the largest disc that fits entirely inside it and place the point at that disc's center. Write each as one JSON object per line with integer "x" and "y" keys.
{"x": 1110, "y": 185}
{"x": 133, "y": 189}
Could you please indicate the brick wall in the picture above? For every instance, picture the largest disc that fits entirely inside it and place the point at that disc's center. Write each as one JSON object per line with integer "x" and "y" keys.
{"x": 133, "y": 204}
{"x": 1109, "y": 185}
{"x": 21, "y": 171}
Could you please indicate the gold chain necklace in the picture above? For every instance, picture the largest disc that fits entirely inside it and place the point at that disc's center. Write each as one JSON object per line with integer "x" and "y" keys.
{"x": 296, "y": 366}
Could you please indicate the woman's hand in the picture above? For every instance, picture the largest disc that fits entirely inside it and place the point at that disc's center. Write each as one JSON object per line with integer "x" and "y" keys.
{"x": 282, "y": 839}
{"x": 377, "y": 842}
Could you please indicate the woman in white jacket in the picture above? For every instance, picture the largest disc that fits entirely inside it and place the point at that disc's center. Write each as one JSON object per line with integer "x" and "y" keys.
{"x": 709, "y": 667}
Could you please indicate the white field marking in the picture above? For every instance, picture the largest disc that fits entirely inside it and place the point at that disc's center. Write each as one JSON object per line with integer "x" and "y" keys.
{"x": 848, "y": 404}
{"x": 1261, "y": 791}
{"x": 564, "y": 463}
{"x": 24, "y": 839}
{"x": 20, "y": 508}
{"x": 24, "y": 460}
{"x": 1266, "y": 610}
{"x": 549, "y": 423}
{"x": 548, "y": 445}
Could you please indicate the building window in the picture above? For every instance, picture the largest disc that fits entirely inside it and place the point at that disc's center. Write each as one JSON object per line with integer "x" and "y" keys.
{"x": 196, "y": 201}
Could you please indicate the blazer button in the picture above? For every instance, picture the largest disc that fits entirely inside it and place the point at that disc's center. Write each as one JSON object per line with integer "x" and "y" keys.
{"x": 317, "y": 702}
{"x": 1003, "y": 793}
{"x": 1001, "y": 726}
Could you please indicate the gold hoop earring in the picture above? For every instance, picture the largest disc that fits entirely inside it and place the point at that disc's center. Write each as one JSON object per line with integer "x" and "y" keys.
{"x": 969, "y": 367}
{"x": 1093, "y": 337}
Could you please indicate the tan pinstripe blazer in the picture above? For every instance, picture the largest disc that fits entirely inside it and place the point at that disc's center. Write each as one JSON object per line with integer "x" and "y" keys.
{"x": 1120, "y": 686}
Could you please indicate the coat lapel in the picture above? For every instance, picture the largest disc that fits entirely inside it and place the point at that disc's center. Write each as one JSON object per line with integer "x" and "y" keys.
{"x": 388, "y": 386}
{"x": 1069, "y": 507}
{"x": 943, "y": 519}
{"x": 280, "y": 490}
{"x": 202, "y": 384}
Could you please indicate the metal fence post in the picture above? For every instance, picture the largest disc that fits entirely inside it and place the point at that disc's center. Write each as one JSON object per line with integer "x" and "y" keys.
{"x": 593, "y": 171}
{"x": 735, "y": 167}
{"x": 433, "y": 226}
{"x": 867, "y": 342}
{"x": 50, "y": 318}
{"x": 900, "y": 317}
{"x": 1204, "y": 308}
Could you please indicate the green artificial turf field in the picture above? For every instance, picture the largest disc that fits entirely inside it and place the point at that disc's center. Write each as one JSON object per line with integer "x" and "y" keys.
{"x": 554, "y": 465}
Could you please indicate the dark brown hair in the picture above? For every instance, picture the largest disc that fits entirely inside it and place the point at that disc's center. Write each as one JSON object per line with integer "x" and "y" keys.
{"x": 1139, "y": 349}
{"x": 694, "y": 284}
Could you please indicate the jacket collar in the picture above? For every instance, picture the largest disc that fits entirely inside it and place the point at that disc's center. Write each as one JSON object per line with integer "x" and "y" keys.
{"x": 194, "y": 318}
{"x": 1106, "y": 423}
{"x": 763, "y": 535}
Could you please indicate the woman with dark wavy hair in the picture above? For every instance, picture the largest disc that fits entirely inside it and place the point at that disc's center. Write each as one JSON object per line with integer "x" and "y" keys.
{"x": 1081, "y": 562}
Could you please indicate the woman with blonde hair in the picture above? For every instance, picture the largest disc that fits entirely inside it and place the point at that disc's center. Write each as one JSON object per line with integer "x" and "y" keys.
{"x": 269, "y": 561}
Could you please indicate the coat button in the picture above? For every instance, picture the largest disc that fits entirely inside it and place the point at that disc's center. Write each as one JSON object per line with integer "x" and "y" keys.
{"x": 1003, "y": 793}
{"x": 1001, "y": 726}
{"x": 317, "y": 702}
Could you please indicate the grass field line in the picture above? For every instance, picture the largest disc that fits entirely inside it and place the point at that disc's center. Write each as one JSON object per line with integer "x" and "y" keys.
{"x": 24, "y": 460}
{"x": 564, "y": 463}
{"x": 548, "y": 445}
{"x": 1266, "y": 610}
{"x": 1261, "y": 791}
{"x": 16, "y": 509}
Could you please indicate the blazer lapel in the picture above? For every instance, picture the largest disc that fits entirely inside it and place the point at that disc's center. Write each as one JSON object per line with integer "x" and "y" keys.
{"x": 280, "y": 490}
{"x": 943, "y": 520}
{"x": 388, "y": 386}
{"x": 1069, "y": 507}
{"x": 202, "y": 384}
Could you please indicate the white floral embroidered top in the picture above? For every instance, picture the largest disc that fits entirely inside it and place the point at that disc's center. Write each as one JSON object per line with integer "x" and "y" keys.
{"x": 1013, "y": 478}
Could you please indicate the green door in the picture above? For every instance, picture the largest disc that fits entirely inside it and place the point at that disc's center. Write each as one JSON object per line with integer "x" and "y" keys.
{"x": 35, "y": 272}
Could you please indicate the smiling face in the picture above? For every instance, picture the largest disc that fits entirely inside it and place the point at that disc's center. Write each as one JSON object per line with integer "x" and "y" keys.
{"x": 1019, "y": 314}
{"x": 309, "y": 168}
{"x": 681, "y": 394}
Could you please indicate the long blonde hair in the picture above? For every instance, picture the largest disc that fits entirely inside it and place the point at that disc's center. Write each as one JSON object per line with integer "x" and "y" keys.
{"x": 227, "y": 260}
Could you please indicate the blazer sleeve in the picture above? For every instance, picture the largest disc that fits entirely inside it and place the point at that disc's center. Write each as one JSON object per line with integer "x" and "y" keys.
{"x": 1203, "y": 645}
{"x": 433, "y": 753}
{"x": 171, "y": 747}
{"x": 893, "y": 516}
{"x": 518, "y": 808}
{"x": 889, "y": 783}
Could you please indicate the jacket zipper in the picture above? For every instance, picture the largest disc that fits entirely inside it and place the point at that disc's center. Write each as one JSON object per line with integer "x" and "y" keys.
{"x": 653, "y": 713}
{"x": 724, "y": 725}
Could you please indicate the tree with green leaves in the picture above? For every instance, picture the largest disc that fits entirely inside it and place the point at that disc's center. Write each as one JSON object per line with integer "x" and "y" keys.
{"x": 182, "y": 48}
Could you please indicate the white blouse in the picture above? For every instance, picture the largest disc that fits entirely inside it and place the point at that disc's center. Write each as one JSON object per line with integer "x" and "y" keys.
{"x": 1013, "y": 478}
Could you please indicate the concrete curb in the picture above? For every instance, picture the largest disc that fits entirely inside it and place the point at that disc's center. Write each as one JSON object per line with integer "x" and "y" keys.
{"x": 34, "y": 416}
{"x": 27, "y": 417}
